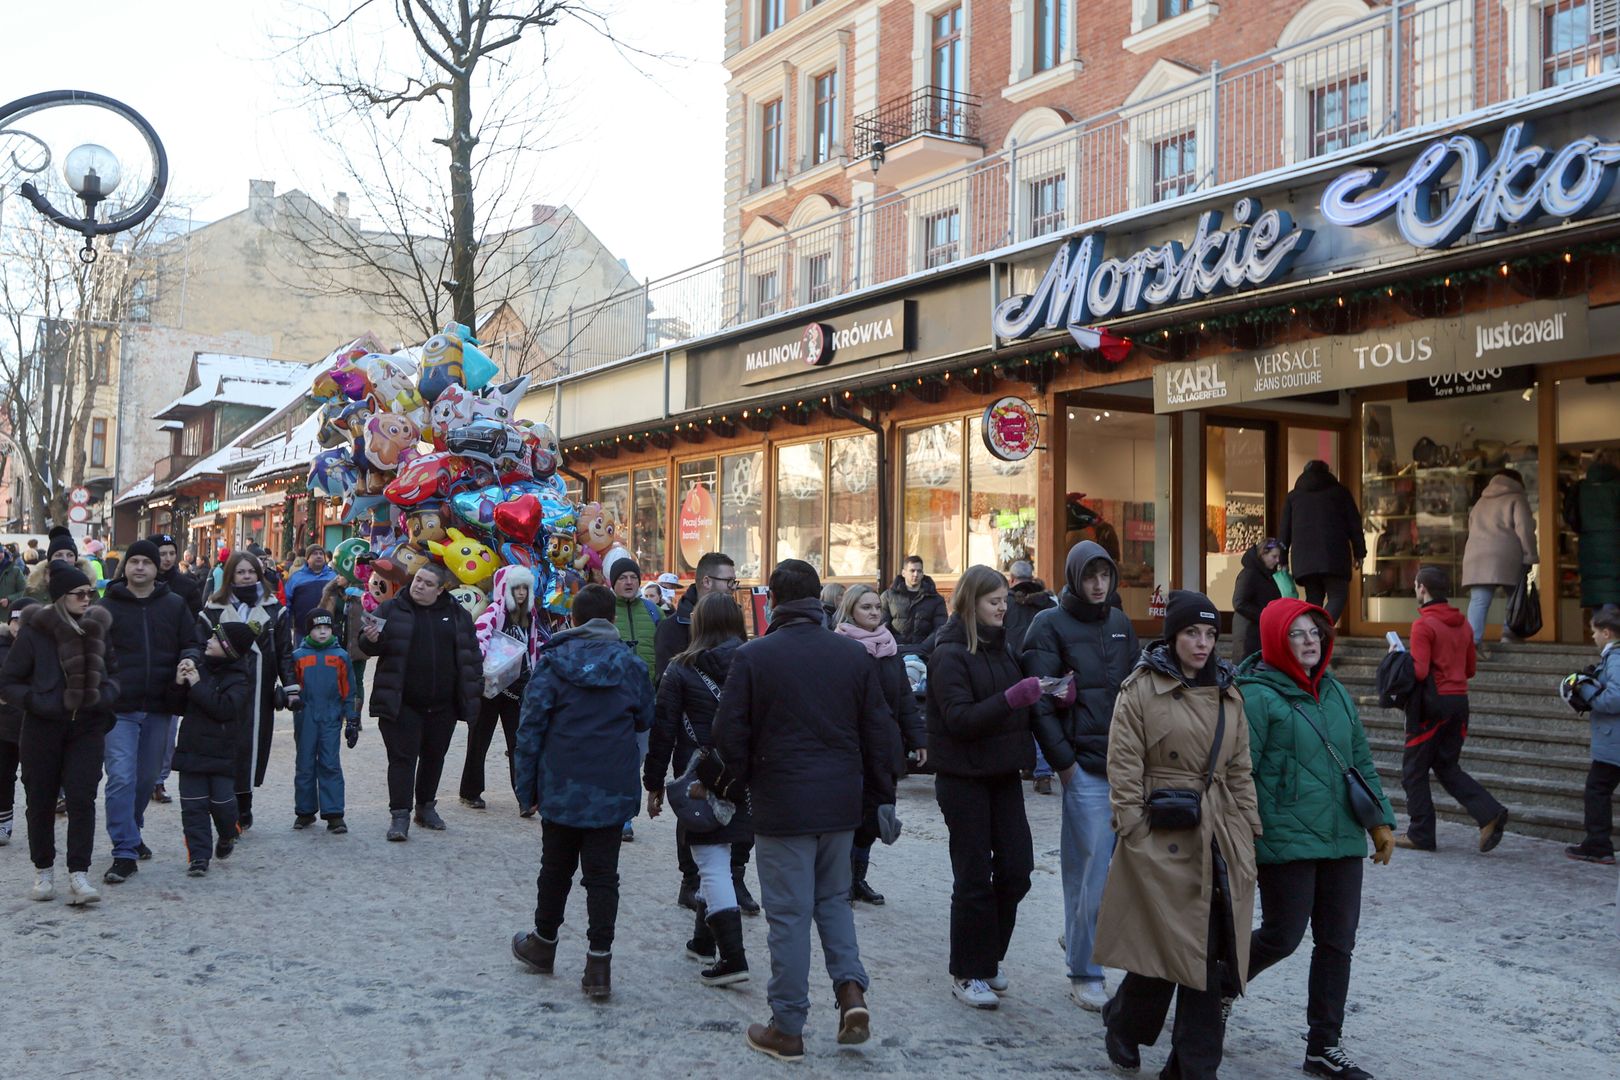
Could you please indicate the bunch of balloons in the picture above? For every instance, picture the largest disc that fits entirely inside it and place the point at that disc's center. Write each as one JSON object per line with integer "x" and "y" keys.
{"x": 431, "y": 464}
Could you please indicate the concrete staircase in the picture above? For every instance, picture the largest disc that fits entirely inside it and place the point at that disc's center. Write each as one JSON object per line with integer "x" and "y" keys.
{"x": 1525, "y": 745}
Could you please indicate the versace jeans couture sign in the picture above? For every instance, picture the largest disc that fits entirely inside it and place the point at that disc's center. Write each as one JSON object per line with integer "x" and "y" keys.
{"x": 840, "y": 339}
{"x": 1544, "y": 331}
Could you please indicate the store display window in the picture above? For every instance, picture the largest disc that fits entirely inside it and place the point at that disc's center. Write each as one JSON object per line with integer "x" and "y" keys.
{"x": 963, "y": 506}
{"x": 742, "y": 502}
{"x": 827, "y": 505}
{"x": 932, "y": 513}
{"x": 1588, "y": 540}
{"x": 1117, "y": 492}
{"x": 651, "y": 519}
{"x": 1236, "y": 480}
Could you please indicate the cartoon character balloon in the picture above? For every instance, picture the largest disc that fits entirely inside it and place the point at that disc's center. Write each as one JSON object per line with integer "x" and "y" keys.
{"x": 426, "y": 523}
{"x": 332, "y": 473}
{"x": 467, "y": 557}
{"x": 346, "y": 558}
{"x": 470, "y": 597}
{"x": 441, "y": 364}
{"x": 391, "y": 440}
{"x": 598, "y": 541}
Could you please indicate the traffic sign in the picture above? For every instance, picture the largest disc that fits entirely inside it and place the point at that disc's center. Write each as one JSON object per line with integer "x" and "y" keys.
{"x": 79, "y": 496}
{"x": 79, "y": 515}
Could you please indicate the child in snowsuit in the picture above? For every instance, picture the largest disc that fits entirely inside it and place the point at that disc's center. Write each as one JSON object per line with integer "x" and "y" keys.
{"x": 329, "y": 707}
{"x": 217, "y": 702}
{"x": 1598, "y": 694}
{"x": 10, "y": 727}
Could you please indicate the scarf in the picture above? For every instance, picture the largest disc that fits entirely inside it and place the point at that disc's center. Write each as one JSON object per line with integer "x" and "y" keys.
{"x": 877, "y": 643}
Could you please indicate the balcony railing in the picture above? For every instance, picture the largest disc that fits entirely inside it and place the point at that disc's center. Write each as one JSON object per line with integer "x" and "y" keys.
{"x": 1411, "y": 63}
{"x": 167, "y": 468}
{"x": 933, "y": 110}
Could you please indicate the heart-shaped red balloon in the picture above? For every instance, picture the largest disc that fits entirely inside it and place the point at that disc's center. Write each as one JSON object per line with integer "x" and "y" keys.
{"x": 519, "y": 518}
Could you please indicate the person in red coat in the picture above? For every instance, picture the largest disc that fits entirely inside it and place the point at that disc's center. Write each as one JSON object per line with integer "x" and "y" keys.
{"x": 1437, "y": 719}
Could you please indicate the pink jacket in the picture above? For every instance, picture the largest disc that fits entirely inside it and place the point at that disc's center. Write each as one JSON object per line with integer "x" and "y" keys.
{"x": 493, "y": 620}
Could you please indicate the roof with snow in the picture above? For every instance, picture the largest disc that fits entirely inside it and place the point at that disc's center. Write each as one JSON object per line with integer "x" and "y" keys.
{"x": 222, "y": 379}
{"x": 141, "y": 489}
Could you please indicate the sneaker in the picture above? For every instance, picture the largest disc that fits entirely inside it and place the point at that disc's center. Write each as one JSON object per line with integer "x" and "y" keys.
{"x": 974, "y": 992}
{"x": 998, "y": 982}
{"x": 1481, "y": 653}
{"x": 1582, "y": 853}
{"x": 1043, "y": 785}
{"x": 198, "y": 868}
{"x": 1490, "y": 834}
{"x": 44, "y": 885}
{"x": 474, "y": 803}
{"x": 161, "y": 796}
{"x": 767, "y": 1039}
{"x": 120, "y": 871}
{"x": 303, "y": 821}
{"x": 1090, "y": 994}
{"x": 335, "y": 825}
{"x": 1402, "y": 840}
{"x": 223, "y": 849}
{"x": 427, "y": 816}
{"x": 1333, "y": 1061}
{"x": 80, "y": 891}
{"x": 629, "y": 834}
{"x": 142, "y": 852}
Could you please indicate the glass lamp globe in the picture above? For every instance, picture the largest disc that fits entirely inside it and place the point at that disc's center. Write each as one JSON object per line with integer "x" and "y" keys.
{"x": 91, "y": 170}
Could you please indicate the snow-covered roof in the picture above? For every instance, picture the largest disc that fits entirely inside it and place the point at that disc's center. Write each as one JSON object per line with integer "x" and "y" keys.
{"x": 289, "y": 452}
{"x": 141, "y": 489}
{"x": 237, "y": 380}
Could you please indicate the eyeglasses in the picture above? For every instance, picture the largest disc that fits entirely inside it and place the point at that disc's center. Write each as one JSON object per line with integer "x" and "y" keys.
{"x": 1313, "y": 634}
{"x": 727, "y": 583}
{"x": 82, "y": 594}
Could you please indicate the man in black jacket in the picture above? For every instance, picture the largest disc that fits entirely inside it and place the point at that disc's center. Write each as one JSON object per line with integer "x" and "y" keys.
{"x": 190, "y": 590}
{"x": 153, "y": 631}
{"x": 913, "y": 610}
{"x": 430, "y": 674}
{"x": 1089, "y": 638}
{"x": 1321, "y": 530}
{"x": 804, "y": 724}
{"x": 1027, "y": 598}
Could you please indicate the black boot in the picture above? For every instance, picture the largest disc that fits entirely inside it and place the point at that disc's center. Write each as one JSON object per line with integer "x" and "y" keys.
{"x": 859, "y": 860}
{"x": 535, "y": 951}
{"x": 687, "y": 897}
{"x": 745, "y": 899}
{"x": 701, "y": 947}
{"x": 732, "y": 966}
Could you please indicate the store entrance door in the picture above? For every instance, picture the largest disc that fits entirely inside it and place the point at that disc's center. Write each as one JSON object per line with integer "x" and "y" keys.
{"x": 1239, "y": 502}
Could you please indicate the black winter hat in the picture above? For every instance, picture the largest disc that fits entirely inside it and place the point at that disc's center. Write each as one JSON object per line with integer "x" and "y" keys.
{"x": 1186, "y": 608}
{"x": 319, "y": 617}
{"x": 61, "y": 540}
{"x": 623, "y": 565}
{"x": 143, "y": 548}
{"x": 237, "y": 637}
{"x": 64, "y": 578}
{"x": 163, "y": 540}
{"x": 19, "y": 605}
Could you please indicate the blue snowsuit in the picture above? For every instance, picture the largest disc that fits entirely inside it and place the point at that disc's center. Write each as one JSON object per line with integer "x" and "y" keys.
{"x": 330, "y": 695}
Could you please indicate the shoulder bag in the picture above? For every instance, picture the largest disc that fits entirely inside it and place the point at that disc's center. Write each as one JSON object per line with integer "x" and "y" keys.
{"x": 710, "y": 812}
{"x": 1364, "y": 804}
{"x": 1182, "y": 808}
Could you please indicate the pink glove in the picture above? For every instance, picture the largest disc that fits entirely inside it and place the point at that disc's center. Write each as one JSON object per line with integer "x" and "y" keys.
{"x": 1070, "y": 692}
{"x": 1024, "y": 693}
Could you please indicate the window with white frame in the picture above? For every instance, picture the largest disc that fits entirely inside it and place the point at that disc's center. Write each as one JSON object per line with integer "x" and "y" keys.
{"x": 947, "y": 71}
{"x": 770, "y": 142}
{"x": 1156, "y": 23}
{"x": 823, "y": 116}
{"x": 1578, "y": 38}
{"x": 1169, "y": 9}
{"x": 1333, "y": 61}
{"x": 1048, "y": 205}
{"x": 1175, "y": 165}
{"x": 766, "y": 295}
{"x": 1167, "y": 117}
{"x": 818, "y": 277}
{"x": 1339, "y": 114}
{"x": 772, "y": 14}
{"x": 1050, "y": 34}
{"x": 942, "y": 238}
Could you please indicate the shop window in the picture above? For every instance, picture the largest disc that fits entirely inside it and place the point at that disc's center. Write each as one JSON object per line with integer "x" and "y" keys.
{"x": 1117, "y": 484}
{"x": 1339, "y": 114}
{"x": 1048, "y": 199}
{"x": 956, "y": 514}
{"x": 718, "y": 509}
{"x": 613, "y": 492}
{"x": 1001, "y": 525}
{"x": 742, "y": 501}
{"x": 651, "y": 520}
{"x": 1236, "y": 479}
{"x": 697, "y": 522}
{"x": 1578, "y": 38}
{"x": 932, "y": 501}
{"x": 942, "y": 237}
{"x": 1175, "y": 166}
{"x": 1424, "y": 466}
{"x": 1587, "y": 437}
{"x": 852, "y": 515}
{"x": 801, "y": 499}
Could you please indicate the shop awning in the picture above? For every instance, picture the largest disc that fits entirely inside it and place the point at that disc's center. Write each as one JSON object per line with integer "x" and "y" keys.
{"x": 237, "y": 506}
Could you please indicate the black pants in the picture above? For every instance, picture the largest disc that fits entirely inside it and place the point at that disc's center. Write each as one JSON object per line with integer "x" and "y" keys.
{"x": 595, "y": 853}
{"x": 991, "y": 860}
{"x": 10, "y": 758}
{"x": 689, "y": 871}
{"x": 1137, "y": 1010}
{"x": 66, "y": 759}
{"x": 1601, "y": 780}
{"x": 499, "y": 709}
{"x": 207, "y": 805}
{"x": 1327, "y": 591}
{"x": 1326, "y": 895}
{"x": 1442, "y": 724}
{"x": 416, "y": 742}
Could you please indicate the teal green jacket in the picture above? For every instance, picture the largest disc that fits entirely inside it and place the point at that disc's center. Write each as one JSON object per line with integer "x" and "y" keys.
{"x": 1304, "y": 803}
{"x": 637, "y": 621}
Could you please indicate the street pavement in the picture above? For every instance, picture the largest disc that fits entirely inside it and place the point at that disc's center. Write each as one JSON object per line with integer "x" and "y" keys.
{"x": 316, "y": 955}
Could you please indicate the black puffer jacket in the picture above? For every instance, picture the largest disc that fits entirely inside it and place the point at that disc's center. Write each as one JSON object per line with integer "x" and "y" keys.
{"x": 216, "y": 710}
{"x": 56, "y": 676}
{"x": 151, "y": 636}
{"x": 674, "y": 633}
{"x": 10, "y": 715}
{"x": 272, "y": 663}
{"x": 1097, "y": 643}
{"x": 1321, "y": 526}
{"x": 456, "y": 644}
{"x": 683, "y": 695}
{"x": 972, "y": 731}
{"x": 1025, "y": 600}
{"x": 185, "y": 587}
{"x": 803, "y": 723}
{"x": 913, "y": 617}
{"x": 1256, "y": 587}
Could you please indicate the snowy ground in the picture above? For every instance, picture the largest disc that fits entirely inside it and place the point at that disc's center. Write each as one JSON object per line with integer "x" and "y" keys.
{"x": 314, "y": 955}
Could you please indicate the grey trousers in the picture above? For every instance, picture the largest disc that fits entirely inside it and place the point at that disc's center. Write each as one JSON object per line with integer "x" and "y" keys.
{"x": 805, "y": 878}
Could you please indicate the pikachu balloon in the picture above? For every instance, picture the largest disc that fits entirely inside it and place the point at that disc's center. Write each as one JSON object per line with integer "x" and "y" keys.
{"x": 470, "y": 560}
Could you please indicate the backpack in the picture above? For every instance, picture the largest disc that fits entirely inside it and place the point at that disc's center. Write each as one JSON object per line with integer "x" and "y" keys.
{"x": 1397, "y": 681}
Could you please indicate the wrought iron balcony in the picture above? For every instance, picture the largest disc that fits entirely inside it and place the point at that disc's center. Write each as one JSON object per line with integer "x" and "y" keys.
{"x": 933, "y": 110}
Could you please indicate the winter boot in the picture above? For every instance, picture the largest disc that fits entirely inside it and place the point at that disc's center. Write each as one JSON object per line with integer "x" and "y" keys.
{"x": 732, "y": 967}
{"x": 687, "y": 897}
{"x": 428, "y": 817}
{"x": 535, "y": 951}
{"x": 336, "y": 825}
{"x": 80, "y": 891}
{"x": 44, "y": 885}
{"x": 701, "y": 947}
{"x": 859, "y": 860}
{"x": 400, "y": 827}
{"x": 598, "y": 980}
{"x": 854, "y": 1018}
{"x": 197, "y": 868}
{"x": 303, "y": 821}
{"x": 120, "y": 871}
{"x": 745, "y": 899}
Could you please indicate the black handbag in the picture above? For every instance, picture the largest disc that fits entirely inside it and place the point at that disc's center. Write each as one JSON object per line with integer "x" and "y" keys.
{"x": 1524, "y": 607}
{"x": 1182, "y": 808}
{"x": 1364, "y": 804}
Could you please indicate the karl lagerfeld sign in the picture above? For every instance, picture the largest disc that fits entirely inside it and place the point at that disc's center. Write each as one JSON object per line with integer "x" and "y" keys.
{"x": 1540, "y": 332}
{"x": 840, "y": 339}
{"x": 1081, "y": 287}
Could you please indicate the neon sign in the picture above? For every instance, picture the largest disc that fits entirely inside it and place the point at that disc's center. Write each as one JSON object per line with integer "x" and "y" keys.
{"x": 1517, "y": 186}
{"x": 1082, "y": 287}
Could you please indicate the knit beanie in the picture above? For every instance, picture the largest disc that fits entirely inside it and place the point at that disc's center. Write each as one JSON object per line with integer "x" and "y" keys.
{"x": 624, "y": 564}
{"x": 21, "y": 604}
{"x": 237, "y": 637}
{"x": 61, "y": 540}
{"x": 163, "y": 540}
{"x": 63, "y": 579}
{"x": 1436, "y": 580}
{"x": 1186, "y": 608}
{"x": 319, "y": 617}
{"x": 143, "y": 548}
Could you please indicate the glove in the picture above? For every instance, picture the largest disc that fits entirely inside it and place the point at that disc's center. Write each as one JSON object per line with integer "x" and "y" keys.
{"x": 888, "y": 824}
{"x": 1383, "y": 838}
{"x": 1070, "y": 692}
{"x": 351, "y": 731}
{"x": 1024, "y": 693}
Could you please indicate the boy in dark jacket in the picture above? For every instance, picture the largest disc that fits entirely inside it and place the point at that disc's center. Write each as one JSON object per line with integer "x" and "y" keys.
{"x": 217, "y": 699}
{"x": 577, "y": 761}
{"x": 913, "y": 609}
{"x": 10, "y": 726}
{"x": 329, "y": 707}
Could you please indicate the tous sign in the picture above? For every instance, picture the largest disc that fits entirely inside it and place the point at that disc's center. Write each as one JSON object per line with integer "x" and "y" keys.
{"x": 1517, "y": 186}
{"x": 1081, "y": 286}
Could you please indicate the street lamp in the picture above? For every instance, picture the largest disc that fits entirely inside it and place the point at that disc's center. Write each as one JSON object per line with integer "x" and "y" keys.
{"x": 92, "y": 172}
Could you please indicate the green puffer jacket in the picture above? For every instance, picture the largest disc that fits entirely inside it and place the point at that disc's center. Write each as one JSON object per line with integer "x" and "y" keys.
{"x": 1304, "y": 805}
{"x": 637, "y": 622}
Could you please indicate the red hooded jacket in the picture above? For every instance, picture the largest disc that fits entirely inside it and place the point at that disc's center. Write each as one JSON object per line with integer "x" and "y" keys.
{"x": 1443, "y": 645}
{"x": 1275, "y": 619}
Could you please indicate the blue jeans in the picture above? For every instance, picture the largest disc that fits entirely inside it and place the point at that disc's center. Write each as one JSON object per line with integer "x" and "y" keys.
{"x": 1479, "y": 603}
{"x": 133, "y": 759}
{"x": 1041, "y": 767}
{"x": 318, "y": 772}
{"x": 1087, "y": 847}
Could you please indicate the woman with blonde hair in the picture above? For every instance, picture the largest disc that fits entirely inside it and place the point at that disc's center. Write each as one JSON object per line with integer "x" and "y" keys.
{"x": 859, "y": 617}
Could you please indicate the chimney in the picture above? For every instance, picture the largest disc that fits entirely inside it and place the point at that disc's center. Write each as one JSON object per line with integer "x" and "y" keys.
{"x": 260, "y": 195}
{"x": 340, "y": 205}
{"x": 543, "y": 213}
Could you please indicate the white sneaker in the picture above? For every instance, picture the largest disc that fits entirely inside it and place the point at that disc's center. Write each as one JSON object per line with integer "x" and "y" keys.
{"x": 80, "y": 891}
{"x": 44, "y": 885}
{"x": 998, "y": 981}
{"x": 974, "y": 992}
{"x": 1090, "y": 994}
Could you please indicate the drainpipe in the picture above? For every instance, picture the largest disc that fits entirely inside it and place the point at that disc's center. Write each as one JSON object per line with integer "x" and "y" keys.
{"x": 838, "y": 409}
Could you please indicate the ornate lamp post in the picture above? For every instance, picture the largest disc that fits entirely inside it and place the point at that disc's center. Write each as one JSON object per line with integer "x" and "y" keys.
{"x": 91, "y": 171}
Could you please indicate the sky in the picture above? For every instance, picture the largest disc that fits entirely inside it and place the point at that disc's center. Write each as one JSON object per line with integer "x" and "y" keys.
{"x": 636, "y": 146}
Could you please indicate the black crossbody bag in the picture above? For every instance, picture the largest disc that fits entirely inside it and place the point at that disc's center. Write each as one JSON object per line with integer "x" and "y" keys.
{"x": 1364, "y": 805}
{"x": 1182, "y": 808}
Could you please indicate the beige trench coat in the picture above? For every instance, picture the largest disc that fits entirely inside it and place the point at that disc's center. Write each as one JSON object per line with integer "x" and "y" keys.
{"x": 1155, "y": 908}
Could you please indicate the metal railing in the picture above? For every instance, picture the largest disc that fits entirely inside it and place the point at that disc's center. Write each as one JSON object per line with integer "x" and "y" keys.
{"x": 933, "y": 110}
{"x": 1411, "y": 63}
